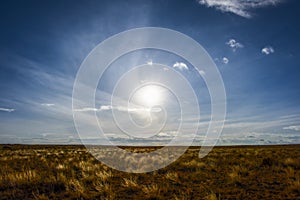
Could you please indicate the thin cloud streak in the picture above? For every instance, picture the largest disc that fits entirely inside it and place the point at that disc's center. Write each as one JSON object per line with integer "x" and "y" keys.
{"x": 118, "y": 108}
{"x": 294, "y": 128}
{"x": 7, "y": 109}
{"x": 48, "y": 104}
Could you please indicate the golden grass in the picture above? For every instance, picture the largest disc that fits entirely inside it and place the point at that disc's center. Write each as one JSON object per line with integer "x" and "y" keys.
{"x": 71, "y": 172}
{"x": 151, "y": 191}
{"x": 172, "y": 176}
{"x": 130, "y": 183}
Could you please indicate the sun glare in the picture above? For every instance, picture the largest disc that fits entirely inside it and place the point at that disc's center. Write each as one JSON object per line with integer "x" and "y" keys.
{"x": 149, "y": 95}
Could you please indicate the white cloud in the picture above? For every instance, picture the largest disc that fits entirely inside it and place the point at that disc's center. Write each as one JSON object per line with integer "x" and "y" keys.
{"x": 7, "y": 109}
{"x": 181, "y": 66}
{"x": 167, "y": 134}
{"x": 47, "y": 104}
{"x": 294, "y": 128}
{"x": 238, "y": 7}
{"x": 267, "y": 50}
{"x": 163, "y": 134}
{"x": 201, "y": 72}
{"x": 106, "y": 107}
{"x": 225, "y": 60}
{"x": 232, "y": 43}
{"x": 150, "y": 62}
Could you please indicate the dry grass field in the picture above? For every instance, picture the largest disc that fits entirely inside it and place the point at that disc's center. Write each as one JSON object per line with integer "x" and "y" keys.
{"x": 70, "y": 172}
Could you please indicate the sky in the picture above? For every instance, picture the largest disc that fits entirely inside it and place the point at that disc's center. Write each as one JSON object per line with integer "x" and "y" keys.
{"x": 253, "y": 43}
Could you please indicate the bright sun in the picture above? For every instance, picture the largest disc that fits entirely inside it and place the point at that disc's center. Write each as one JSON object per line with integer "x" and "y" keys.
{"x": 149, "y": 95}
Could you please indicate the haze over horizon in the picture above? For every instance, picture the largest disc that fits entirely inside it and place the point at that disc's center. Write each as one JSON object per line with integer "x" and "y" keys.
{"x": 254, "y": 44}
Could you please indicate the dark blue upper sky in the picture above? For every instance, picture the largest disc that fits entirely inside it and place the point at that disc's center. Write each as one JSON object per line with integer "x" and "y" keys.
{"x": 255, "y": 47}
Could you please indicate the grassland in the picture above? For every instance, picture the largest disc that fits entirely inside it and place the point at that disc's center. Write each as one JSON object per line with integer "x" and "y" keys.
{"x": 70, "y": 172}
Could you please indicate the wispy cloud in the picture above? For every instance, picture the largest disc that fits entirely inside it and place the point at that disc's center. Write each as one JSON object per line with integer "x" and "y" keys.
{"x": 86, "y": 109}
{"x": 7, "y": 109}
{"x": 294, "y": 128}
{"x": 267, "y": 50}
{"x": 232, "y": 43}
{"x": 225, "y": 60}
{"x": 239, "y": 7}
{"x": 48, "y": 104}
{"x": 181, "y": 66}
{"x": 118, "y": 108}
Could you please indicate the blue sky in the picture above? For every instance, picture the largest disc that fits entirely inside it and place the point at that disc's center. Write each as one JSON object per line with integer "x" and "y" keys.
{"x": 254, "y": 44}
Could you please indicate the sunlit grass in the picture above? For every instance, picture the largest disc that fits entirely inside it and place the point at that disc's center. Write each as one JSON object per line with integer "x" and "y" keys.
{"x": 71, "y": 172}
